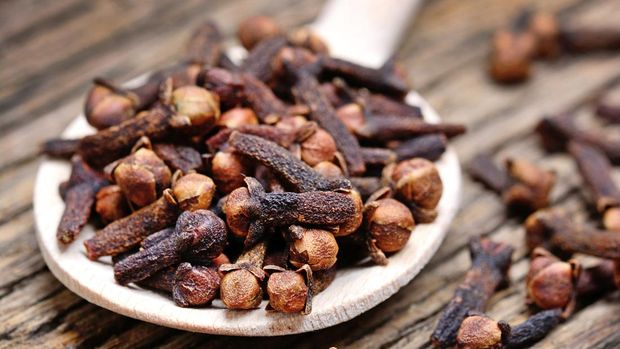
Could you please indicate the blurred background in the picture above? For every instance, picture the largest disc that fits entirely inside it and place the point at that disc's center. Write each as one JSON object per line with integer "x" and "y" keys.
{"x": 51, "y": 50}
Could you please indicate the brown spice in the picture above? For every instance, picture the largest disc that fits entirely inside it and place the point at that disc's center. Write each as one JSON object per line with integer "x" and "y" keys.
{"x": 178, "y": 157}
{"x": 255, "y": 29}
{"x": 59, "y": 147}
{"x": 194, "y": 285}
{"x": 314, "y": 247}
{"x": 111, "y": 204}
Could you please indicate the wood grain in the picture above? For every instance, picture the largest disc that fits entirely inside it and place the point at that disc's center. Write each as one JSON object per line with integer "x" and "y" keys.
{"x": 445, "y": 52}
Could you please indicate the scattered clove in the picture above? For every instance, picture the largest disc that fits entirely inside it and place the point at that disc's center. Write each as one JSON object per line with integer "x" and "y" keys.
{"x": 429, "y": 147}
{"x": 481, "y": 332}
{"x": 389, "y": 224}
{"x": 80, "y": 193}
{"x": 389, "y": 127}
{"x": 289, "y": 291}
{"x": 259, "y": 61}
{"x": 608, "y": 108}
{"x": 194, "y": 285}
{"x": 582, "y": 40}
{"x": 178, "y": 157}
{"x": 315, "y": 247}
{"x": 255, "y": 29}
{"x": 490, "y": 263}
{"x": 205, "y": 45}
{"x": 595, "y": 170}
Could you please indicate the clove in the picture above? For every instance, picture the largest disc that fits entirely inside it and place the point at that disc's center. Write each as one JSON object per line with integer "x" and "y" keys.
{"x": 262, "y": 100}
{"x": 255, "y": 29}
{"x": 249, "y": 211}
{"x": 581, "y": 40}
{"x": 228, "y": 170}
{"x": 608, "y": 108}
{"x": 178, "y": 157}
{"x": 386, "y": 128}
{"x": 378, "y": 156}
{"x": 204, "y": 46}
{"x": 389, "y": 224}
{"x": 595, "y": 170}
{"x": 260, "y": 59}
{"x": 80, "y": 192}
{"x": 236, "y": 117}
{"x": 481, "y": 332}
{"x": 308, "y": 92}
{"x": 490, "y": 263}
{"x": 316, "y": 248}
{"x": 193, "y": 191}
{"x": 294, "y": 172}
{"x": 417, "y": 181}
{"x": 430, "y": 147}
{"x": 289, "y": 291}
{"x": 111, "y": 204}
{"x": 194, "y": 285}
{"x": 240, "y": 287}
{"x": 59, "y": 147}
{"x": 200, "y": 232}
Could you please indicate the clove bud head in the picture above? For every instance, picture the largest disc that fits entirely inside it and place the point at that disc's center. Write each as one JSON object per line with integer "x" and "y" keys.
{"x": 316, "y": 247}
{"x": 287, "y": 292}
{"x": 236, "y": 117}
{"x": 110, "y": 203}
{"x": 240, "y": 289}
{"x": 417, "y": 181}
{"x": 237, "y": 209}
{"x": 229, "y": 170}
{"x": 320, "y": 146}
{"x": 105, "y": 108}
{"x": 551, "y": 282}
{"x": 389, "y": 223}
{"x": 255, "y": 29}
{"x": 308, "y": 39}
{"x": 142, "y": 176}
{"x": 328, "y": 169}
{"x": 195, "y": 286}
{"x": 200, "y": 106}
{"x": 352, "y": 116}
{"x": 355, "y": 220}
{"x": 479, "y": 332}
{"x": 193, "y": 192}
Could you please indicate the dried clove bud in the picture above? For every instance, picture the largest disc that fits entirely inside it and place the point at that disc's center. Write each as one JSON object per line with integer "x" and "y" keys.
{"x": 193, "y": 192}
{"x": 552, "y": 283}
{"x": 108, "y": 105}
{"x": 198, "y": 105}
{"x": 259, "y": 62}
{"x": 162, "y": 280}
{"x": 60, "y": 148}
{"x": 308, "y": 92}
{"x": 581, "y": 40}
{"x": 608, "y": 108}
{"x": 142, "y": 176}
{"x": 512, "y": 51}
{"x": 429, "y": 147}
{"x": 596, "y": 280}
{"x": 236, "y": 117}
{"x": 199, "y": 232}
{"x": 194, "y": 286}
{"x": 110, "y": 203}
{"x": 319, "y": 147}
{"x": 250, "y": 210}
{"x": 226, "y": 84}
{"x": 308, "y": 39}
{"x": 321, "y": 280}
{"x": 556, "y": 131}
{"x": 481, "y": 332}
{"x": 262, "y": 100}
{"x": 255, "y": 29}
{"x": 417, "y": 181}
{"x": 596, "y": 172}
{"x": 125, "y": 233}
{"x": 289, "y": 291}
{"x": 205, "y": 45}
{"x": 378, "y": 156}
{"x": 240, "y": 287}
{"x": 490, "y": 263}
{"x": 483, "y": 169}
{"x": 366, "y": 186}
{"x": 328, "y": 169}
{"x": 314, "y": 247}
{"x": 386, "y": 128}
{"x": 389, "y": 223}
{"x": 80, "y": 195}
{"x": 533, "y": 188}
{"x": 293, "y": 171}
{"x": 179, "y": 158}
{"x": 554, "y": 230}
{"x": 545, "y": 28}
{"x": 228, "y": 170}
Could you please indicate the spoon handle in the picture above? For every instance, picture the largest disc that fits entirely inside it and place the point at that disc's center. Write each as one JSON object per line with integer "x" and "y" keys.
{"x": 364, "y": 31}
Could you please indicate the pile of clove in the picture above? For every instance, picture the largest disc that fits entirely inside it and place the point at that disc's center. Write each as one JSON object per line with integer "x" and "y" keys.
{"x": 251, "y": 181}
{"x": 558, "y": 281}
{"x": 541, "y": 35}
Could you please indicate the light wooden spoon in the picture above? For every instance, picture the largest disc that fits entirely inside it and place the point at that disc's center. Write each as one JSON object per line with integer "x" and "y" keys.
{"x": 364, "y": 31}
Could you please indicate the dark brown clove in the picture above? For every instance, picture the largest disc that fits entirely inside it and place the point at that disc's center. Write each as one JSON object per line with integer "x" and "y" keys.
{"x": 378, "y": 156}
{"x": 162, "y": 280}
{"x": 490, "y": 263}
{"x": 157, "y": 237}
{"x": 315, "y": 247}
{"x": 595, "y": 170}
{"x": 249, "y": 211}
{"x": 205, "y": 45}
{"x": 294, "y": 172}
{"x": 259, "y": 61}
{"x": 125, "y": 233}
{"x": 308, "y": 92}
{"x": 552, "y": 283}
{"x": 262, "y": 100}
{"x": 388, "y": 127}
{"x": 255, "y": 29}
{"x": 512, "y": 51}
{"x": 80, "y": 192}
{"x": 328, "y": 169}
{"x": 224, "y": 83}
{"x": 200, "y": 232}
{"x": 554, "y": 230}
{"x": 60, "y": 148}
{"x": 366, "y": 185}
{"x": 481, "y": 332}
{"x": 142, "y": 176}
{"x": 483, "y": 169}
{"x": 596, "y": 280}
{"x": 318, "y": 147}
{"x": 430, "y": 147}
{"x": 384, "y": 80}
{"x": 582, "y": 39}
{"x": 178, "y": 157}
{"x": 378, "y": 104}
{"x": 194, "y": 285}
{"x": 240, "y": 287}
{"x": 322, "y": 279}
{"x": 546, "y": 30}
{"x": 389, "y": 223}
{"x": 111, "y": 204}
{"x": 193, "y": 192}
{"x": 557, "y": 130}
{"x": 533, "y": 186}
{"x": 289, "y": 291}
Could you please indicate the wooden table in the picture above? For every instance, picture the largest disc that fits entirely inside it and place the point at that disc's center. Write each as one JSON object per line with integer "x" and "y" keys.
{"x": 50, "y": 50}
